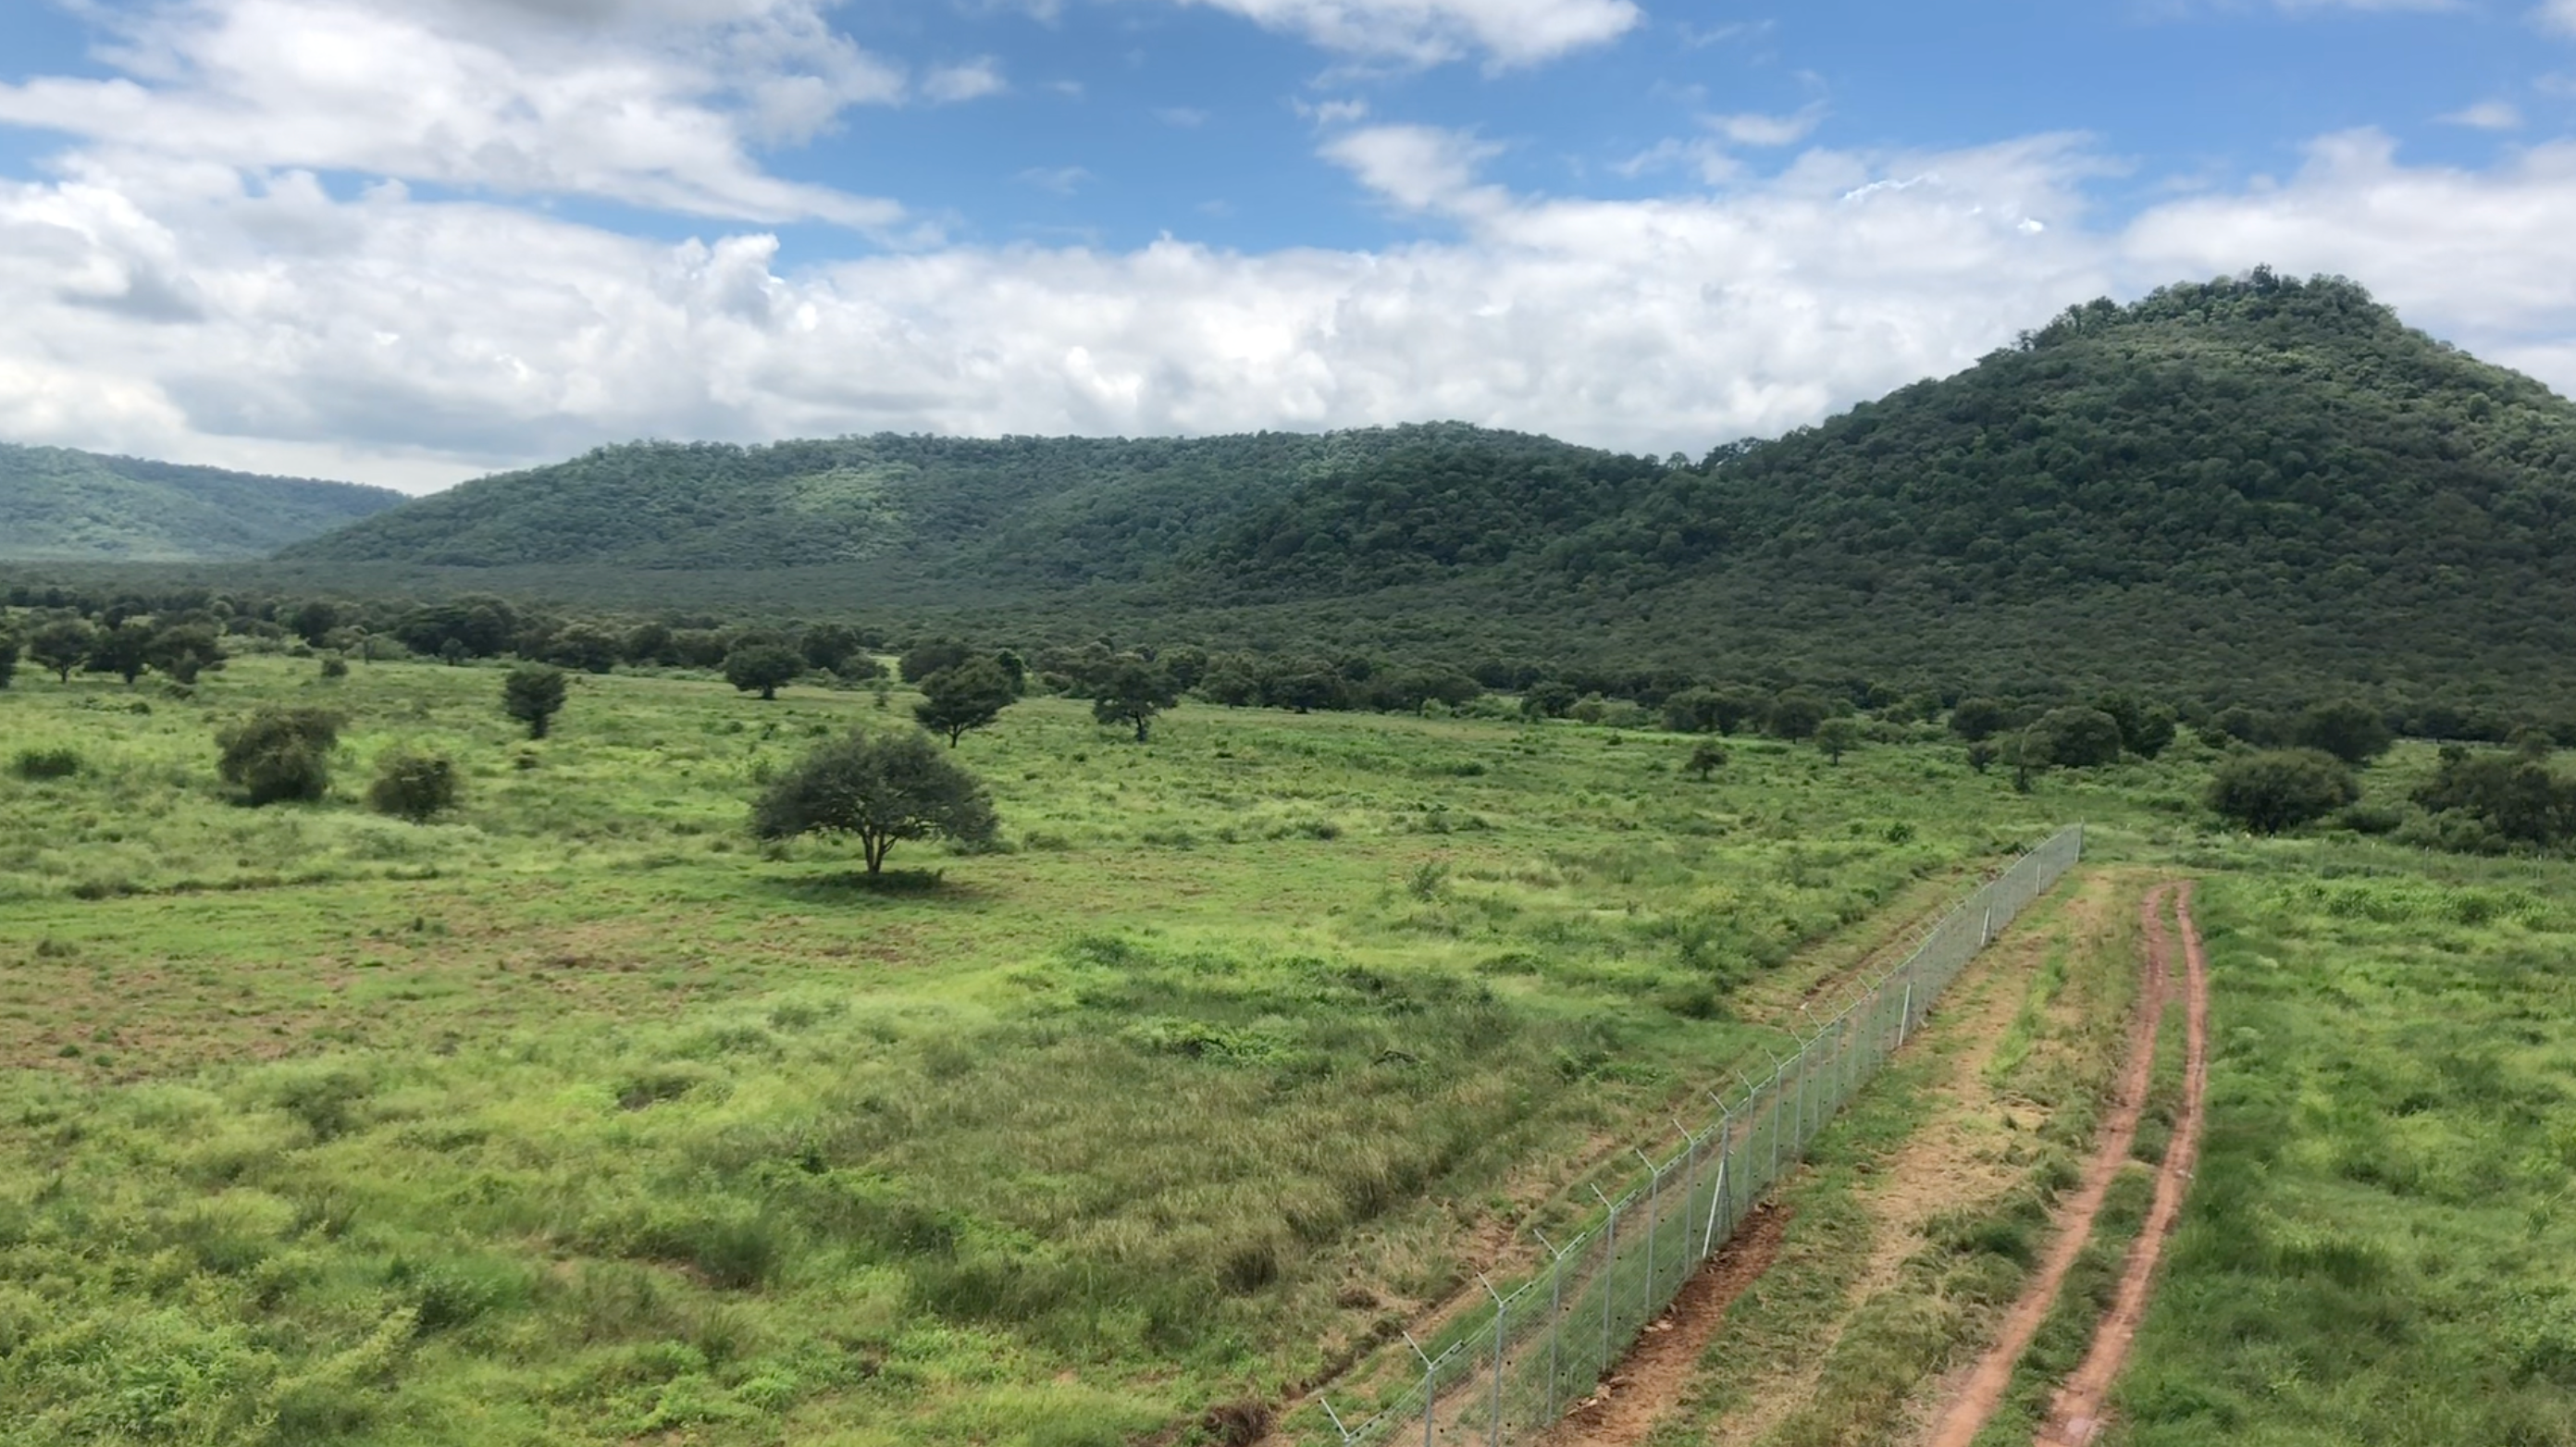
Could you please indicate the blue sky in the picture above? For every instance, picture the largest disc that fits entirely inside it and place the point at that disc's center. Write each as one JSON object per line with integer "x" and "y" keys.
{"x": 415, "y": 239}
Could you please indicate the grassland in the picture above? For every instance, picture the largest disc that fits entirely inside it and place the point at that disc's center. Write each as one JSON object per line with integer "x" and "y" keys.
{"x": 581, "y": 1118}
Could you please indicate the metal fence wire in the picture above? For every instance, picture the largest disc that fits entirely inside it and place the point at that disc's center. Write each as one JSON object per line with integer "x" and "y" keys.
{"x": 1509, "y": 1371}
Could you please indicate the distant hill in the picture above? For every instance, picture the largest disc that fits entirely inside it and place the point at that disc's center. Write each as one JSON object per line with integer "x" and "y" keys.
{"x": 2256, "y": 478}
{"x": 62, "y": 505}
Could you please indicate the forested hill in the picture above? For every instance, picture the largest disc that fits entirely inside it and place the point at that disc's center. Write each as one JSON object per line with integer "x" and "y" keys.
{"x": 1044, "y": 511}
{"x": 62, "y": 505}
{"x": 2253, "y": 474}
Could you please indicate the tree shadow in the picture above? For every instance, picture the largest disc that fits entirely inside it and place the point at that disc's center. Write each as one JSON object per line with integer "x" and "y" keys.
{"x": 843, "y": 886}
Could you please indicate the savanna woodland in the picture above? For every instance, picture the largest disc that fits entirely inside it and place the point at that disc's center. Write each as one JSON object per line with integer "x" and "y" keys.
{"x": 1097, "y": 941}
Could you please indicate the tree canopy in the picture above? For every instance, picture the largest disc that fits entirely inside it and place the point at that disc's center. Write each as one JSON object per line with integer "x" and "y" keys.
{"x": 878, "y": 789}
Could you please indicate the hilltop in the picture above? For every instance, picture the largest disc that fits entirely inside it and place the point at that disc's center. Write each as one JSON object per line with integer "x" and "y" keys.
{"x": 58, "y": 504}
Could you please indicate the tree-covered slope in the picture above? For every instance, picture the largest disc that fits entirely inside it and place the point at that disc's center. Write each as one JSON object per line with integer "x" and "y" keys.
{"x": 2251, "y": 438}
{"x": 1038, "y": 512}
{"x": 61, "y": 505}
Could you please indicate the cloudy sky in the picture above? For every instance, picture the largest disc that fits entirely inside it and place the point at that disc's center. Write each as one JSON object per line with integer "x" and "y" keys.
{"x": 408, "y": 241}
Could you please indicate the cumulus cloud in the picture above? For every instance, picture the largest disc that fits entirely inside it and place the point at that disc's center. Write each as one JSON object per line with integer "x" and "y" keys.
{"x": 2559, "y": 15}
{"x": 221, "y": 303}
{"x": 1427, "y": 32}
{"x": 650, "y": 102}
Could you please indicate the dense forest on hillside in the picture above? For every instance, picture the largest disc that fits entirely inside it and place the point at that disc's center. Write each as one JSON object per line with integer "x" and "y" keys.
{"x": 2255, "y": 490}
{"x": 58, "y": 504}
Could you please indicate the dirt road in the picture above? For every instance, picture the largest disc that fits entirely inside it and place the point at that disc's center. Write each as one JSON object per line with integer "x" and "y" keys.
{"x": 2075, "y": 1416}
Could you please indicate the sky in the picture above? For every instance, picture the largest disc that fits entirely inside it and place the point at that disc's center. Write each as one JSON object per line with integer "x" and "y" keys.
{"x": 413, "y": 241}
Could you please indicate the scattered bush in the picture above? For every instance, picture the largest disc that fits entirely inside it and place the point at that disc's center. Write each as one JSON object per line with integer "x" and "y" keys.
{"x": 2281, "y": 788}
{"x": 55, "y": 763}
{"x": 280, "y": 754}
{"x": 334, "y": 666}
{"x": 417, "y": 787}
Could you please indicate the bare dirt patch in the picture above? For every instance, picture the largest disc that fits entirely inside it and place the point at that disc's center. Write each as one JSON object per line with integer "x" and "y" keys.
{"x": 1635, "y": 1396}
{"x": 1967, "y": 1413}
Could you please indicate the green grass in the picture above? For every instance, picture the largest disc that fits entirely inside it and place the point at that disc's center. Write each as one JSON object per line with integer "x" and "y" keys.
{"x": 2377, "y": 1245}
{"x": 576, "y": 1116}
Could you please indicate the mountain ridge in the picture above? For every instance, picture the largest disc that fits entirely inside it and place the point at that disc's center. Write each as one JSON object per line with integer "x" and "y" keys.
{"x": 61, "y": 504}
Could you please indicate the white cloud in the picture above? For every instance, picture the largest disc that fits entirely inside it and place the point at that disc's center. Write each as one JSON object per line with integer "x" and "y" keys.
{"x": 1420, "y": 168}
{"x": 1188, "y": 118}
{"x": 1061, "y": 180}
{"x": 2488, "y": 115}
{"x": 2478, "y": 256}
{"x": 1427, "y": 32}
{"x": 972, "y": 81}
{"x": 1754, "y": 128}
{"x": 205, "y": 299}
{"x": 2558, "y": 15}
{"x": 651, "y": 102}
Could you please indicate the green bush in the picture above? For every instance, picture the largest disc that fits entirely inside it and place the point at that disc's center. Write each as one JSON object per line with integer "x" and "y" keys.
{"x": 417, "y": 787}
{"x": 280, "y": 754}
{"x": 55, "y": 763}
{"x": 2281, "y": 788}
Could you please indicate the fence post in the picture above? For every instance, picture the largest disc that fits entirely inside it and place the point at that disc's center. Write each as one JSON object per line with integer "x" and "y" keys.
{"x": 1905, "y": 1016}
{"x": 1690, "y": 1183}
{"x": 1609, "y": 1272}
{"x": 1494, "y": 1429}
{"x": 1555, "y": 1313}
{"x": 1654, "y": 1191}
{"x": 1430, "y": 1384}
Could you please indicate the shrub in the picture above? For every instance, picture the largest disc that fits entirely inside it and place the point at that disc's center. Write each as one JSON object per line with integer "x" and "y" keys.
{"x": 334, "y": 666}
{"x": 2281, "y": 788}
{"x": 2072, "y": 738}
{"x": 280, "y": 754}
{"x": 57, "y": 763}
{"x": 417, "y": 787}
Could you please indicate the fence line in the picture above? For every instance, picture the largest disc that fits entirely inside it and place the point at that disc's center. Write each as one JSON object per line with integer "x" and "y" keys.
{"x": 1510, "y": 1372}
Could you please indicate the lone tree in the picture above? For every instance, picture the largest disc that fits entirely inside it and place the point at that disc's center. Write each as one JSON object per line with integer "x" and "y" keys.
{"x": 2072, "y": 738}
{"x": 2351, "y": 731}
{"x": 280, "y": 754}
{"x": 1796, "y": 714}
{"x": 2281, "y": 788}
{"x": 1837, "y": 737}
{"x": 60, "y": 646}
{"x": 762, "y": 667}
{"x": 1133, "y": 693}
{"x": 1978, "y": 719}
{"x": 1706, "y": 759}
{"x": 880, "y": 788}
{"x": 184, "y": 650}
{"x": 533, "y": 694}
{"x": 8, "y": 658}
{"x": 968, "y": 696}
{"x": 124, "y": 650}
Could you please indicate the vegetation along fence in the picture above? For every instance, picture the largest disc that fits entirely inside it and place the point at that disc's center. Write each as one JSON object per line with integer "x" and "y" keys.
{"x": 1509, "y": 1371}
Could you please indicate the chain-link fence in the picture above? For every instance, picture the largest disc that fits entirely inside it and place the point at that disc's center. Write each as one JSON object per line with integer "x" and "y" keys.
{"x": 1509, "y": 1370}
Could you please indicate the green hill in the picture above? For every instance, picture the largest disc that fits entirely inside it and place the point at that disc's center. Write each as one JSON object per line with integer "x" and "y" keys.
{"x": 2247, "y": 479}
{"x": 61, "y": 505}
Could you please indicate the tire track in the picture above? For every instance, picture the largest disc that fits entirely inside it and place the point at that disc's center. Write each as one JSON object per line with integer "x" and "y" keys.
{"x": 1984, "y": 1391}
{"x": 2075, "y": 1416}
